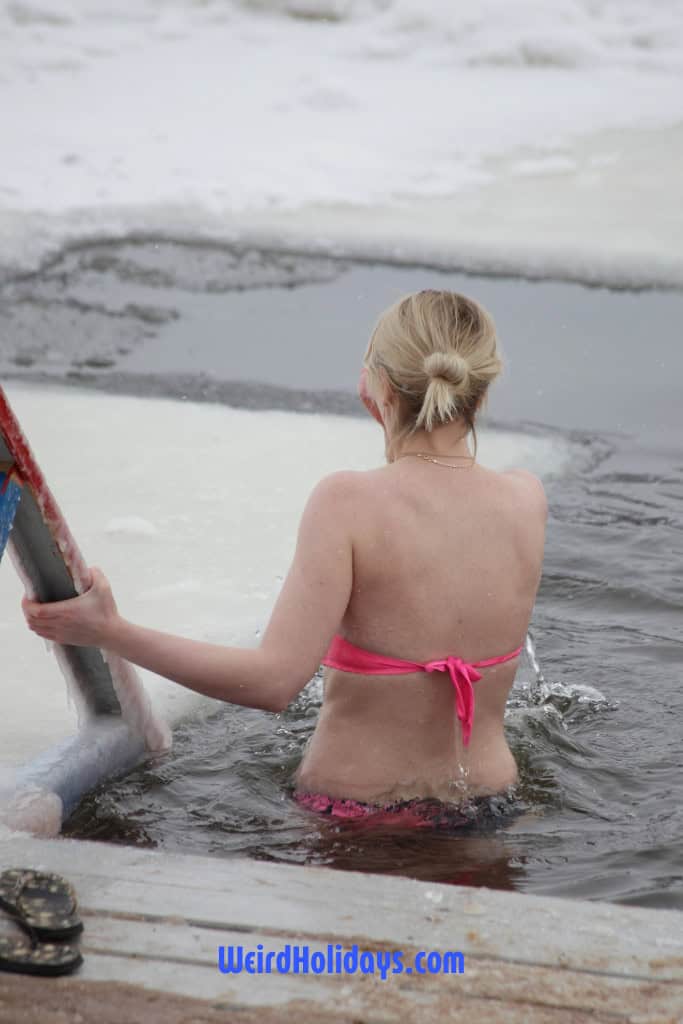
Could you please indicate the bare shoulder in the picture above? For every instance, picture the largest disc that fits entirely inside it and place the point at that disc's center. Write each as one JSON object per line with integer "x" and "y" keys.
{"x": 336, "y": 494}
{"x": 331, "y": 513}
{"x": 531, "y": 487}
{"x": 338, "y": 486}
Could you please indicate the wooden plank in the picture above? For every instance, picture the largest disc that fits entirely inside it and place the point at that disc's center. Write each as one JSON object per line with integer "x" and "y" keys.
{"x": 154, "y": 922}
{"x": 183, "y": 959}
{"x": 276, "y": 899}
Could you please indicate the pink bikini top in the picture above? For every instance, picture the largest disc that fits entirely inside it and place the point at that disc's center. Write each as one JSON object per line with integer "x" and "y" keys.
{"x": 347, "y": 657}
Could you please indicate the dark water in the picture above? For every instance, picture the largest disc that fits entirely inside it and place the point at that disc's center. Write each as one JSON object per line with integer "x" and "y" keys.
{"x": 599, "y": 736}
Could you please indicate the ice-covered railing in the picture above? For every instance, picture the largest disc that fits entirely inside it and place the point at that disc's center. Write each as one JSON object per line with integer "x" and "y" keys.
{"x": 115, "y": 716}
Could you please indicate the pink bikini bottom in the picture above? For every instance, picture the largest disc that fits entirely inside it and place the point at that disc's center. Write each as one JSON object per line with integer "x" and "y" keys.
{"x": 417, "y": 813}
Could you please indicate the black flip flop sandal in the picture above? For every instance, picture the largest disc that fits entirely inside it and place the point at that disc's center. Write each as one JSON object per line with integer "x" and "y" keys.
{"x": 20, "y": 957}
{"x": 44, "y": 905}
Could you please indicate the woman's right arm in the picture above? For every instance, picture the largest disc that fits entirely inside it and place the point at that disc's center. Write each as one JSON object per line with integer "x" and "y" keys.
{"x": 308, "y": 610}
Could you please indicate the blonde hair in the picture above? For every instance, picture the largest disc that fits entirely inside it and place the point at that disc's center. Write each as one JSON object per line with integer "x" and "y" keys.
{"x": 439, "y": 353}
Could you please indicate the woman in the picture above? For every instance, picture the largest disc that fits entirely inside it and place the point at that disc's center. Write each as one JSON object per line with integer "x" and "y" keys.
{"x": 413, "y": 583}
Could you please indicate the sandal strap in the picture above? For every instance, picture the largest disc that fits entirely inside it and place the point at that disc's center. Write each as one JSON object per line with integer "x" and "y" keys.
{"x": 43, "y": 903}
{"x": 18, "y": 956}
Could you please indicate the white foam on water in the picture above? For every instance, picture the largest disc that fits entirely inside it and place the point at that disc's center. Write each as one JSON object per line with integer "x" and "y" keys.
{"x": 555, "y": 124}
{"x": 224, "y": 489}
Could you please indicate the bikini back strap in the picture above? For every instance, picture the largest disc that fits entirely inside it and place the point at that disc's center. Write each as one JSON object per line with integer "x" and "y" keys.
{"x": 499, "y": 660}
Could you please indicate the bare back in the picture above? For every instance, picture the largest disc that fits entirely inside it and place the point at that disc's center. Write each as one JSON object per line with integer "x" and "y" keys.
{"x": 445, "y": 562}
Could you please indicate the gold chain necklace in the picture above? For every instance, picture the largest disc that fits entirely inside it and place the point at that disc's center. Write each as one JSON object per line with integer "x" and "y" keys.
{"x": 426, "y": 457}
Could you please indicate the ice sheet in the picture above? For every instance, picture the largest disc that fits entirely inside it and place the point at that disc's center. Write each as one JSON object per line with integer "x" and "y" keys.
{"x": 204, "y": 119}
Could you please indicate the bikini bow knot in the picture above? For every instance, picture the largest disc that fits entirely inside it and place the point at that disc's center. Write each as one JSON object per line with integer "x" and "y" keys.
{"x": 463, "y": 675}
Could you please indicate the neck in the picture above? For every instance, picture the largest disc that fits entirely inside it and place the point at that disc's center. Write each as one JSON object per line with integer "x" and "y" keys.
{"x": 449, "y": 439}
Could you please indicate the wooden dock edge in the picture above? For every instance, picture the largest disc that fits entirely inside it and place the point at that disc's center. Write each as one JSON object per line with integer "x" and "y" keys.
{"x": 153, "y": 923}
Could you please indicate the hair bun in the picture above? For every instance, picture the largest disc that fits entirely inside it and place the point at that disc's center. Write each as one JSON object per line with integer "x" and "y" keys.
{"x": 448, "y": 366}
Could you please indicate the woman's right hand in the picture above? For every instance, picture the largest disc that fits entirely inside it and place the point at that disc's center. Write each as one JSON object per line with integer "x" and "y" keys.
{"x": 84, "y": 621}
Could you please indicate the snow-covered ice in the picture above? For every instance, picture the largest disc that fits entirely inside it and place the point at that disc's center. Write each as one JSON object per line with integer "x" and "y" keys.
{"x": 544, "y": 135}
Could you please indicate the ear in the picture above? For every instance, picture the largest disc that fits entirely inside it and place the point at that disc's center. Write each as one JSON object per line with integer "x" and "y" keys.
{"x": 387, "y": 399}
{"x": 387, "y": 395}
{"x": 367, "y": 399}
